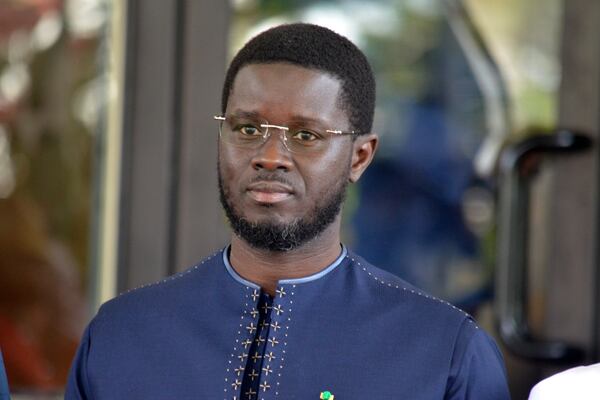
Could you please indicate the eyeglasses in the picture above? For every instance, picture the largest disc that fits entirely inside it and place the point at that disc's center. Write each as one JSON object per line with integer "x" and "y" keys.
{"x": 252, "y": 133}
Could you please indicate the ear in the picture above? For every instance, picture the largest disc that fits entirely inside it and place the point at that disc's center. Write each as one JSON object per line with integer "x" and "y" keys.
{"x": 363, "y": 150}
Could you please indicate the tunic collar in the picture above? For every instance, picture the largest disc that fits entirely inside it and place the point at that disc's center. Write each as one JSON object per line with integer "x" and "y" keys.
{"x": 304, "y": 279}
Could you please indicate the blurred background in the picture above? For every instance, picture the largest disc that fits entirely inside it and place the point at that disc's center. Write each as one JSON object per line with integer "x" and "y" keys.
{"x": 483, "y": 192}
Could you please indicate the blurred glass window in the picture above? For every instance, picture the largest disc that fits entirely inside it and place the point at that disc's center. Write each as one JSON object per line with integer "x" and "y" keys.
{"x": 52, "y": 94}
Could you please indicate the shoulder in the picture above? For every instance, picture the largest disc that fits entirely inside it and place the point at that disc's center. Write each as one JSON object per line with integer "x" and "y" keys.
{"x": 395, "y": 293}
{"x": 472, "y": 359}
{"x": 161, "y": 296}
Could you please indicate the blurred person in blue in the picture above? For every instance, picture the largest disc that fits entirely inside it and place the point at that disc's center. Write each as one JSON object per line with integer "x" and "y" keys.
{"x": 4, "y": 393}
{"x": 286, "y": 311}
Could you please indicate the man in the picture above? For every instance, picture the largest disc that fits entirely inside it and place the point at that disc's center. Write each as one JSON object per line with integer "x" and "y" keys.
{"x": 285, "y": 311}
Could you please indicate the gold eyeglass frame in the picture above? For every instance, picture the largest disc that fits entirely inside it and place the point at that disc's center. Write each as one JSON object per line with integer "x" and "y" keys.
{"x": 267, "y": 134}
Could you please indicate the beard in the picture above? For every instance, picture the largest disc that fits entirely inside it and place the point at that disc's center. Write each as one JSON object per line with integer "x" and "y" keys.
{"x": 280, "y": 237}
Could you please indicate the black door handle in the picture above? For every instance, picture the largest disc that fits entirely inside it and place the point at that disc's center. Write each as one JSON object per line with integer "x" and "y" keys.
{"x": 517, "y": 168}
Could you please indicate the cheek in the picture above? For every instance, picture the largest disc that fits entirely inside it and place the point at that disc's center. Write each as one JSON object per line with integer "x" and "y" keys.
{"x": 328, "y": 173}
{"x": 230, "y": 165}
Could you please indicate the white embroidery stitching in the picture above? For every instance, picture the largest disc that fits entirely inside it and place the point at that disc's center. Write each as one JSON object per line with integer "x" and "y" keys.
{"x": 242, "y": 355}
{"x": 172, "y": 277}
{"x": 285, "y": 335}
{"x": 412, "y": 291}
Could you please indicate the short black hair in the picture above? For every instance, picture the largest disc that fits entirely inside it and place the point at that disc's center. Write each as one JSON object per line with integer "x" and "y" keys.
{"x": 315, "y": 47}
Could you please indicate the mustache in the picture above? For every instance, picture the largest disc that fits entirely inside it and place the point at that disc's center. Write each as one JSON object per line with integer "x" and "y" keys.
{"x": 271, "y": 177}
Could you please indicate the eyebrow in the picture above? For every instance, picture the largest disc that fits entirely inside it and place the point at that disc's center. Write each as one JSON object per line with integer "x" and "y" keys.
{"x": 294, "y": 118}
{"x": 302, "y": 118}
{"x": 245, "y": 114}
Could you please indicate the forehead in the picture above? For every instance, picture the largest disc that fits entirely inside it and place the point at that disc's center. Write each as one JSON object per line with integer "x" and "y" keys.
{"x": 281, "y": 92}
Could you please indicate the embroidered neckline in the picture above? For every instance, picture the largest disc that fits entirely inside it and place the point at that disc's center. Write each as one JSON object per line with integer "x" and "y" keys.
{"x": 296, "y": 281}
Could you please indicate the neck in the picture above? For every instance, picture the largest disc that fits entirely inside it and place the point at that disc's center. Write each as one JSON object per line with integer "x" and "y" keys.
{"x": 266, "y": 268}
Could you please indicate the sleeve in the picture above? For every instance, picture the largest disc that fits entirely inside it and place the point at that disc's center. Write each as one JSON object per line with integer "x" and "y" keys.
{"x": 78, "y": 387}
{"x": 477, "y": 369}
{"x": 4, "y": 393}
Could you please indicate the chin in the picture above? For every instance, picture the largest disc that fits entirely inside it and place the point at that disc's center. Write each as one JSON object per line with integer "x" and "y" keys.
{"x": 269, "y": 219}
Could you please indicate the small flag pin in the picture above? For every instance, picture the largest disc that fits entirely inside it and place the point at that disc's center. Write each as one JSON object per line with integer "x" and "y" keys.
{"x": 326, "y": 395}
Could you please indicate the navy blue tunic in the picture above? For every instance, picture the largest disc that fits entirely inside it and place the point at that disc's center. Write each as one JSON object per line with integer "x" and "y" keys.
{"x": 352, "y": 329}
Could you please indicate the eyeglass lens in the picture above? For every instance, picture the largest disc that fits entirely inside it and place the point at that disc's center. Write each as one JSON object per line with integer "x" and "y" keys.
{"x": 251, "y": 134}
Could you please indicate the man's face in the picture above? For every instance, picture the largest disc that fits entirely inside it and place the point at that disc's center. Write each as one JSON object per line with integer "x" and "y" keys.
{"x": 275, "y": 199}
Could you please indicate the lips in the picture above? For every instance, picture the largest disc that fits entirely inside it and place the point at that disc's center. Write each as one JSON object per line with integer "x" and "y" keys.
{"x": 269, "y": 192}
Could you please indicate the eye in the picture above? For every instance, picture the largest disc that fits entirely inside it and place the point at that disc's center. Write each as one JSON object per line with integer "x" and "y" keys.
{"x": 249, "y": 130}
{"x": 305, "y": 136}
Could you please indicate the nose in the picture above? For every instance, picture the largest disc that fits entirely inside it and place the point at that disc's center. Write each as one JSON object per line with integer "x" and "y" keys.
{"x": 273, "y": 155}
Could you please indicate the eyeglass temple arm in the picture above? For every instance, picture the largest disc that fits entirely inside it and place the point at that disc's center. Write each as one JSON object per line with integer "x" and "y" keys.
{"x": 338, "y": 132}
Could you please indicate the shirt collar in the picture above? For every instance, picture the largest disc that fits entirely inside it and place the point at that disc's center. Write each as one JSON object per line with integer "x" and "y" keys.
{"x": 304, "y": 279}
